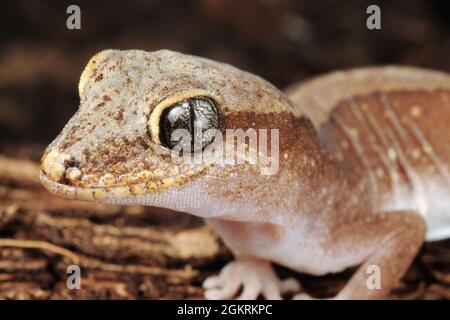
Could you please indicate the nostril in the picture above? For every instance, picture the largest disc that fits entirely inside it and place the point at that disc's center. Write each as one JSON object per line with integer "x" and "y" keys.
{"x": 69, "y": 163}
{"x": 71, "y": 172}
{"x": 60, "y": 167}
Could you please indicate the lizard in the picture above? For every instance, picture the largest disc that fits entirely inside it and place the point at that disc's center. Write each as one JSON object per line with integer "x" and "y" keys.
{"x": 362, "y": 180}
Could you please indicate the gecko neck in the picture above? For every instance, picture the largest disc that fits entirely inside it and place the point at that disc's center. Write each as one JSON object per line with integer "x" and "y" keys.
{"x": 328, "y": 196}
{"x": 319, "y": 185}
{"x": 317, "y": 198}
{"x": 309, "y": 183}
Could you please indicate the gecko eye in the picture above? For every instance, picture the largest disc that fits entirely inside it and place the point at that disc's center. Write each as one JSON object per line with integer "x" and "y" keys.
{"x": 191, "y": 124}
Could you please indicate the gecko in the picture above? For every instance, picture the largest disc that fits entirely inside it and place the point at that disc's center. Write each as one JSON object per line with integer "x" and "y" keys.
{"x": 362, "y": 180}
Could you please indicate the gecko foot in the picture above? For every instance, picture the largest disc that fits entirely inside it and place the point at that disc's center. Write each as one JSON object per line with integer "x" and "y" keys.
{"x": 254, "y": 276}
{"x": 302, "y": 296}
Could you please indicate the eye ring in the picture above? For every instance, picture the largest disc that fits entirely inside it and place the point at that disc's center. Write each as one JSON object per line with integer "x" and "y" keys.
{"x": 154, "y": 118}
{"x": 190, "y": 124}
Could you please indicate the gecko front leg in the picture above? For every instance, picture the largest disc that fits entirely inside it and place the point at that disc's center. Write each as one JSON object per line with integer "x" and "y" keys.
{"x": 255, "y": 276}
{"x": 388, "y": 241}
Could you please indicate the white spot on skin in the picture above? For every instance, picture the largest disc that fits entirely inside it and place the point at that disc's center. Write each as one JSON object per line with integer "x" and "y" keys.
{"x": 427, "y": 147}
{"x": 416, "y": 111}
{"x": 392, "y": 155}
{"x": 416, "y": 154}
{"x": 354, "y": 132}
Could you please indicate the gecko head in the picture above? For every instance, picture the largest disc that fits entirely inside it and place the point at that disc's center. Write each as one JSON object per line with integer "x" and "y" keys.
{"x": 119, "y": 146}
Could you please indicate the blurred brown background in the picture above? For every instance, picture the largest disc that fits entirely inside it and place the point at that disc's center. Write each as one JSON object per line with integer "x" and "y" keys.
{"x": 128, "y": 253}
{"x": 282, "y": 41}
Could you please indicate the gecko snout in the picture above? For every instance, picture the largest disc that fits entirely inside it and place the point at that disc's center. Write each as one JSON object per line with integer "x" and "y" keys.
{"x": 60, "y": 167}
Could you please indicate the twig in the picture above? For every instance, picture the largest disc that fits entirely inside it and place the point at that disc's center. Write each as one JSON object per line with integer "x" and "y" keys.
{"x": 23, "y": 171}
{"x": 95, "y": 264}
{"x": 42, "y": 245}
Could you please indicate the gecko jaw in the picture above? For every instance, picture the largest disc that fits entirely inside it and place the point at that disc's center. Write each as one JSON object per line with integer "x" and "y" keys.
{"x": 103, "y": 194}
{"x": 91, "y": 193}
{"x": 113, "y": 194}
{"x": 127, "y": 195}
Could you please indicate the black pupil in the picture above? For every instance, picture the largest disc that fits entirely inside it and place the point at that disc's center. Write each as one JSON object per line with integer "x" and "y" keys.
{"x": 190, "y": 123}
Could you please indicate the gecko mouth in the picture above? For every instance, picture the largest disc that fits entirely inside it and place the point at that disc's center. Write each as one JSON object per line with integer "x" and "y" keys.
{"x": 118, "y": 194}
{"x": 92, "y": 193}
{"x": 138, "y": 194}
{"x": 62, "y": 176}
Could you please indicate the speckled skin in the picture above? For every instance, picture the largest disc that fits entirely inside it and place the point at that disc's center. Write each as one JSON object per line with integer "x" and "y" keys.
{"x": 344, "y": 167}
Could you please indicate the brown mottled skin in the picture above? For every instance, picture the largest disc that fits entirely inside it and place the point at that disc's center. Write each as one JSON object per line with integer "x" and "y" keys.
{"x": 363, "y": 167}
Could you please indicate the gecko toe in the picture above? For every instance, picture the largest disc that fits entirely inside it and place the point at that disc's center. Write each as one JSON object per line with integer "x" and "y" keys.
{"x": 289, "y": 285}
{"x": 302, "y": 296}
{"x": 255, "y": 276}
{"x": 251, "y": 290}
{"x": 212, "y": 282}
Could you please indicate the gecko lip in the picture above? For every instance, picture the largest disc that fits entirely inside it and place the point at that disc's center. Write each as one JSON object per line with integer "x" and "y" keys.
{"x": 91, "y": 193}
{"x": 111, "y": 194}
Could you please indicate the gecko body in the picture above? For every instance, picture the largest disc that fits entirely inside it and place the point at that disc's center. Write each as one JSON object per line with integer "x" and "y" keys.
{"x": 362, "y": 179}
